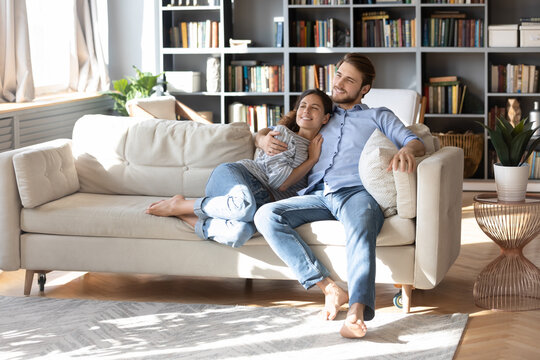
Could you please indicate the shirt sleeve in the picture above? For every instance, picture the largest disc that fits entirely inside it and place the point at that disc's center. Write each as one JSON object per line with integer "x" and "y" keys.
{"x": 394, "y": 129}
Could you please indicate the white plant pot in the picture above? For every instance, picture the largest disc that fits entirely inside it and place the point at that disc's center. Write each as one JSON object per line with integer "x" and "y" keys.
{"x": 511, "y": 181}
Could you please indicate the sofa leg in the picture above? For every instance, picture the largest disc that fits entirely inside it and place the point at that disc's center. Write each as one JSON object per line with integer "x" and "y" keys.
{"x": 406, "y": 293}
{"x": 28, "y": 279}
{"x": 249, "y": 284}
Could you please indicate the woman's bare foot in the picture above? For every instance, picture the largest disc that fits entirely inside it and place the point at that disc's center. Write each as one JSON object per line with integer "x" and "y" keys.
{"x": 189, "y": 219}
{"x": 334, "y": 298}
{"x": 354, "y": 326}
{"x": 175, "y": 206}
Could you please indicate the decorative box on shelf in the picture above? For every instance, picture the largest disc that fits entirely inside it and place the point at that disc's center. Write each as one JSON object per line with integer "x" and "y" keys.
{"x": 503, "y": 35}
{"x": 183, "y": 81}
{"x": 529, "y": 35}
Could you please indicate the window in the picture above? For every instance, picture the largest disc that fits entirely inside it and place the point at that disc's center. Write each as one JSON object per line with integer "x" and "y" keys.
{"x": 50, "y": 26}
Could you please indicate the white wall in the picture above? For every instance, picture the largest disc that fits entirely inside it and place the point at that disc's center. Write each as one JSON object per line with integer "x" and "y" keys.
{"x": 133, "y": 37}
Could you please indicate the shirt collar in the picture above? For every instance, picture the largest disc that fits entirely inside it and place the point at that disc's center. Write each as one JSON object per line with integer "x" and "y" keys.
{"x": 356, "y": 107}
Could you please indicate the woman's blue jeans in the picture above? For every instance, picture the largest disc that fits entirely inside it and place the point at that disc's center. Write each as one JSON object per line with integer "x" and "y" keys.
{"x": 362, "y": 219}
{"x": 226, "y": 213}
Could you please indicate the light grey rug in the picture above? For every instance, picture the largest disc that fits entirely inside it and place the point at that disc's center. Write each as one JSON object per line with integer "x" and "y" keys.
{"x": 44, "y": 328}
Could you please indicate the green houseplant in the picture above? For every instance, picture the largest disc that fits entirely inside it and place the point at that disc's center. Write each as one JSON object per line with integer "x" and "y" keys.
{"x": 141, "y": 86}
{"x": 513, "y": 146}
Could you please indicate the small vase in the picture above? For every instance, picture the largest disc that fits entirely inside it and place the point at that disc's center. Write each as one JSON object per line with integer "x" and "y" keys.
{"x": 511, "y": 182}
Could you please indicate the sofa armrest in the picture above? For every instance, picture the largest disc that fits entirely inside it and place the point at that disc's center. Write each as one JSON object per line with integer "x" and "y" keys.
{"x": 10, "y": 206}
{"x": 438, "y": 221}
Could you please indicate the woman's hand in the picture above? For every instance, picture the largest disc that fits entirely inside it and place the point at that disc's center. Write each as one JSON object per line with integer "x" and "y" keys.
{"x": 314, "y": 148}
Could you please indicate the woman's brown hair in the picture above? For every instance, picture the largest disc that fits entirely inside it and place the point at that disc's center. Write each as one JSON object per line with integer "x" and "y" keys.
{"x": 289, "y": 119}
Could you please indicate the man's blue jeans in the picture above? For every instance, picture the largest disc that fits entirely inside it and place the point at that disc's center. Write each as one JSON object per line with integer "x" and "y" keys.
{"x": 362, "y": 219}
{"x": 226, "y": 213}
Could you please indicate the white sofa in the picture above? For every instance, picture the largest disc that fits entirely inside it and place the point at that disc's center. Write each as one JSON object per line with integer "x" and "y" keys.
{"x": 78, "y": 205}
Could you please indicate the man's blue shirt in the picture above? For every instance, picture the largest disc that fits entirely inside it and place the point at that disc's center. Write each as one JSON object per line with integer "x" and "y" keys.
{"x": 344, "y": 138}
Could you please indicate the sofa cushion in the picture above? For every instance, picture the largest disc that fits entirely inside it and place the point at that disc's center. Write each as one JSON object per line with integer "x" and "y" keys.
{"x": 123, "y": 216}
{"x": 45, "y": 174}
{"x": 134, "y": 156}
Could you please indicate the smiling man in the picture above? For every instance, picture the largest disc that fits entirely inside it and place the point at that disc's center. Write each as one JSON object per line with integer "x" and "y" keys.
{"x": 335, "y": 191}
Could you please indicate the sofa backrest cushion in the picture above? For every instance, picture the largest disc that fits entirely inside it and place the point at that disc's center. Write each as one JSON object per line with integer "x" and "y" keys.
{"x": 45, "y": 174}
{"x": 135, "y": 156}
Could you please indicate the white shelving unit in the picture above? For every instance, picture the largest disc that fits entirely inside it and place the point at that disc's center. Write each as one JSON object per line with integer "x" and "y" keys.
{"x": 397, "y": 67}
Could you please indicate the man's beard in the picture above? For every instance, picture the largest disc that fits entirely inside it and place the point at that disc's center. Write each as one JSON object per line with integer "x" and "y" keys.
{"x": 345, "y": 98}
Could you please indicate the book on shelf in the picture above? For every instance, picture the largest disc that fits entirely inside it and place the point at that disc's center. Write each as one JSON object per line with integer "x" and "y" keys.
{"x": 453, "y": 1}
{"x": 453, "y": 32}
{"x": 319, "y": 33}
{"x": 256, "y": 116}
{"x": 194, "y": 34}
{"x": 319, "y": 2}
{"x": 514, "y": 78}
{"x": 376, "y": 29}
{"x": 494, "y": 113}
{"x": 534, "y": 165}
{"x": 312, "y": 76}
{"x": 278, "y": 31}
{"x": 254, "y": 78}
{"x": 445, "y": 95}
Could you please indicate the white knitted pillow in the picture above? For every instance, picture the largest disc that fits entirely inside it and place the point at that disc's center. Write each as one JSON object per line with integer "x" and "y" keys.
{"x": 395, "y": 191}
{"x": 372, "y": 166}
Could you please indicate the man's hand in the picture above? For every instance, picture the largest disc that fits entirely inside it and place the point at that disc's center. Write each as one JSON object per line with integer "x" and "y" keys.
{"x": 403, "y": 161}
{"x": 269, "y": 144}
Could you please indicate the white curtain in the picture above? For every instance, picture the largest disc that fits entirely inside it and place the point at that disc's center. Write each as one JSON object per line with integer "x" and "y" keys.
{"x": 88, "y": 67}
{"x": 16, "y": 81}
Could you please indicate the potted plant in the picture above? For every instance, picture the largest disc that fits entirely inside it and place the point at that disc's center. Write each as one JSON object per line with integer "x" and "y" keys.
{"x": 141, "y": 86}
{"x": 513, "y": 146}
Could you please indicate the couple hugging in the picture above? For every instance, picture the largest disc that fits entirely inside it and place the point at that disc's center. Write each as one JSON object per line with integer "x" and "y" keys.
{"x": 306, "y": 169}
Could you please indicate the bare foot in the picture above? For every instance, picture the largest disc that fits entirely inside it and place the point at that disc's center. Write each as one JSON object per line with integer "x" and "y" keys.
{"x": 189, "y": 219}
{"x": 334, "y": 298}
{"x": 175, "y": 206}
{"x": 354, "y": 326}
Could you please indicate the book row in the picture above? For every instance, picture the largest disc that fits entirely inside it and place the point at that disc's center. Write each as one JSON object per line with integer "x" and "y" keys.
{"x": 385, "y": 1}
{"x": 312, "y": 76}
{"x": 320, "y": 33}
{"x": 453, "y": 32}
{"x": 445, "y": 98}
{"x": 319, "y": 2}
{"x": 256, "y": 116}
{"x": 453, "y": 1}
{"x": 191, "y": 2}
{"x": 510, "y": 78}
{"x": 534, "y": 165}
{"x": 494, "y": 113}
{"x": 254, "y": 78}
{"x": 387, "y": 32}
{"x": 195, "y": 34}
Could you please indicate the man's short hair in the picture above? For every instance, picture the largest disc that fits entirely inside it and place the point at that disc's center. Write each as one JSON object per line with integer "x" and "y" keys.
{"x": 362, "y": 64}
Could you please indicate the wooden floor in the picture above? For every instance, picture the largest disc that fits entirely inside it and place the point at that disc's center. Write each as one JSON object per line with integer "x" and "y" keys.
{"x": 489, "y": 334}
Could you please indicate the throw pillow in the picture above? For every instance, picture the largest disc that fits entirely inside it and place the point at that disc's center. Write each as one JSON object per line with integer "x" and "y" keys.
{"x": 374, "y": 160}
{"x": 46, "y": 174}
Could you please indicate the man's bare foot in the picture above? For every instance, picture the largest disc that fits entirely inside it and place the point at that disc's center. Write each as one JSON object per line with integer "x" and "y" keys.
{"x": 334, "y": 298}
{"x": 190, "y": 219}
{"x": 174, "y": 206}
{"x": 354, "y": 326}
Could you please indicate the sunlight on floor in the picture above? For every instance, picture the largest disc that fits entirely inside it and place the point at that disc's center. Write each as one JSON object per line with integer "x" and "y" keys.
{"x": 65, "y": 278}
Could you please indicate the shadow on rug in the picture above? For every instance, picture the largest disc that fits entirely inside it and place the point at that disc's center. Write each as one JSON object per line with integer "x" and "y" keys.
{"x": 33, "y": 327}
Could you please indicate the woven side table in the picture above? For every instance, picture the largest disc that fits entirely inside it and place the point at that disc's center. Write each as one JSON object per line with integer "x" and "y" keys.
{"x": 510, "y": 282}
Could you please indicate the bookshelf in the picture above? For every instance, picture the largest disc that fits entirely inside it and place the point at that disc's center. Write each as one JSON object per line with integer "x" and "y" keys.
{"x": 408, "y": 66}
